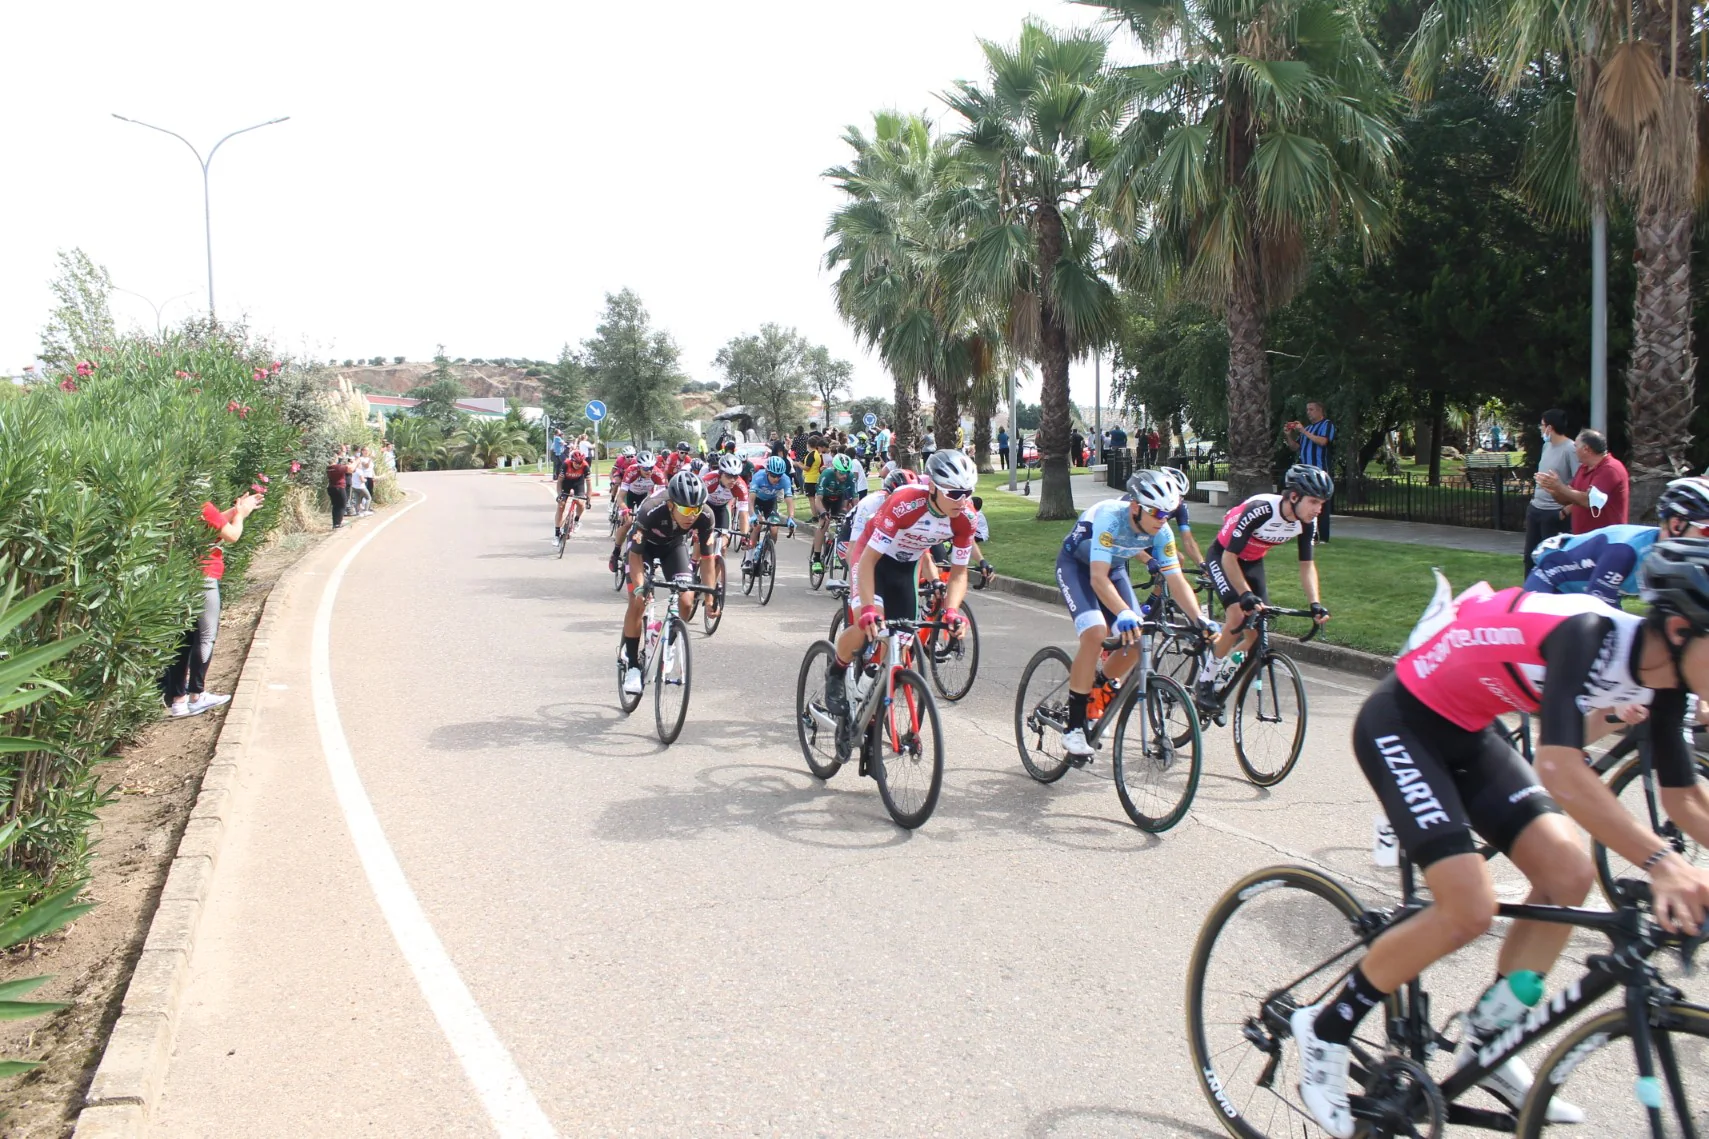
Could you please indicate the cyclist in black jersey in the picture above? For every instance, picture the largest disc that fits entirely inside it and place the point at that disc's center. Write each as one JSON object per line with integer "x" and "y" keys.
{"x": 660, "y": 530}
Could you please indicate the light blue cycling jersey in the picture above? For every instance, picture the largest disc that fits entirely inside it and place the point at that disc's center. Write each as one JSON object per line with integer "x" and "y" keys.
{"x": 768, "y": 486}
{"x": 1106, "y": 534}
{"x": 1603, "y": 563}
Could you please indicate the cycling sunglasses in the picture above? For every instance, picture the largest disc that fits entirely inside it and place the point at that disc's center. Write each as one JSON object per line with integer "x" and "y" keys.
{"x": 958, "y": 495}
{"x": 686, "y": 511}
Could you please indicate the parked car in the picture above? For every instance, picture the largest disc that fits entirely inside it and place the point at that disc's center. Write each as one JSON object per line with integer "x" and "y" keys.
{"x": 1029, "y": 454}
{"x": 1201, "y": 449}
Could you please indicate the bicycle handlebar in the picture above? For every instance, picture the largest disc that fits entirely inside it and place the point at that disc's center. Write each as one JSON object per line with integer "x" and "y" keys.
{"x": 680, "y": 586}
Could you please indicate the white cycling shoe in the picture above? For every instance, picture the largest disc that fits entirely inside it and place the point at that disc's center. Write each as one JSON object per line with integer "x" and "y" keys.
{"x": 632, "y": 682}
{"x": 1511, "y": 1083}
{"x": 1075, "y": 743}
{"x": 1323, "y": 1075}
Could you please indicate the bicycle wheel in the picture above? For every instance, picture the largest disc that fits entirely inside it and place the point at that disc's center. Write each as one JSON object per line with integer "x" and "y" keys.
{"x": 624, "y": 700}
{"x": 839, "y": 620}
{"x": 815, "y": 726}
{"x": 1041, "y": 710}
{"x": 749, "y": 566}
{"x": 563, "y": 540}
{"x": 1155, "y": 777}
{"x": 815, "y": 577}
{"x": 708, "y": 621}
{"x": 671, "y": 681}
{"x": 767, "y": 571}
{"x": 954, "y": 661}
{"x": 1638, "y": 798}
{"x": 620, "y": 574}
{"x": 1595, "y": 1067}
{"x": 909, "y": 763}
{"x": 1280, "y": 939}
{"x": 1269, "y": 720}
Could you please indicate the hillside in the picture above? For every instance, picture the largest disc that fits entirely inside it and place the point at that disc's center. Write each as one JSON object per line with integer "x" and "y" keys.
{"x": 481, "y": 380}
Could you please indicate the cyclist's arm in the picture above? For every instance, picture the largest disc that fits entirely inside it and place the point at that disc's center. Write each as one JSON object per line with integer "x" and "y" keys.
{"x": 1105, "y": 587}
{"x": 957, "y": 590}
{"x": 867, "y": 574}
{"x": 1191, "y": 545}
{"x": 1308, "y": 582}
{"x": 1613, "y": 566}
{"x": 1182, "y": 592}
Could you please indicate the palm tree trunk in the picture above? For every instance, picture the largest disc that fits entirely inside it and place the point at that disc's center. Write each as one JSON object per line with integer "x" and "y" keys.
{"x": 984, "y": 407}
{"x": 1250, "y": 438}
{"x": 902, "y": 430}
{"x": 946, "y": 412}
{"x": 1056, "y": 493}
{"x": 1659, "y": 383}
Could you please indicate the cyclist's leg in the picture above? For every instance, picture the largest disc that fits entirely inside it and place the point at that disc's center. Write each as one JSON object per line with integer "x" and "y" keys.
{"x": 1255, "y": 577}
{"x": 675, "y": 565}
{"x": 632, "y": 617}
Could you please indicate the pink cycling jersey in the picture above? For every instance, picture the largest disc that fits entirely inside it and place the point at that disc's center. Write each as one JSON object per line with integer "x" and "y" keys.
{"x": 905, "y": 527}
{"x": 717, "y": 494}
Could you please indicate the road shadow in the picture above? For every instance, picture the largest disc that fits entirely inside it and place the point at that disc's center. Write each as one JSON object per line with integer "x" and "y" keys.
{"x": 1096, "y": 1122}
{"x": 591, "y": 731}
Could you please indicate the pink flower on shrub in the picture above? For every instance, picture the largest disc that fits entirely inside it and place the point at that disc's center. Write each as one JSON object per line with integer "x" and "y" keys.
{"x": 231, "y": 405}
{"x": 182, "y": 375}
{"x": 295, "y": 466}
{"x": 68, "y": 385}
{"x": 85, "y": 368}
{"x": 263, "y": 478}
{"x": 257, "y": 488}
{"x": 243, "y": 412}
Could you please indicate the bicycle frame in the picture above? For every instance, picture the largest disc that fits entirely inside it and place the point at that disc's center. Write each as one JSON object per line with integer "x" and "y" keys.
{"x": 1130, "y": 685}
{"x": 898, "y": 641}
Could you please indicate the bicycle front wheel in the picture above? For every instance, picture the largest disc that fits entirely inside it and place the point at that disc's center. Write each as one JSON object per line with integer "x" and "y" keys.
{"x": 815, "y": 566}
{"x": 1041, "y": 711}
{"x": 1639, "y": 799}
{"x": 909, "y": 764}
{"x": 815, "y": 725}
{"x": 1156, "y": 778}
{"x": 1280, "y": 939}
{"x": 671, "y": 681}
{"x": 625, "y": 701}
{"x": 954, "y": 660}
{"x": 1595, "y": 1068}
{"x": 767, "y": 571}
{"x": 707, "y": 603}
{"x": 1269, "y": 720}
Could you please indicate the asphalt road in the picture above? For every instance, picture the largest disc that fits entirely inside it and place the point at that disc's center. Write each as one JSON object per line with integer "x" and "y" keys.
{"x": 705, "y": 939}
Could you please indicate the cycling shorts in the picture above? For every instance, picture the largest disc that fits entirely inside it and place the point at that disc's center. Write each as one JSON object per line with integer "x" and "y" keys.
{"x": 720, "y": 514}
{"x": 764, "y": 508}
{"x": 1230, "y": 596}
{"x": 1439, "y": 782}
{"x": 632, "y": 500}
{"x": 1074, "y": 579}
{"x": 572, "y": 488}
{"x": 897, "y": 589}
{"x": 671, "y": 556}
{"x": 833, "y": 504}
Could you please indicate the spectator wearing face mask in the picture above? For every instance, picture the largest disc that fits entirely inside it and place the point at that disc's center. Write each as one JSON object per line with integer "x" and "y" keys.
{"x": 1600, "y": 489}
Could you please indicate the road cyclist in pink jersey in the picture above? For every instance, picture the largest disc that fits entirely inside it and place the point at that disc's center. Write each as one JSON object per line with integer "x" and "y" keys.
{"x": 1428, "y": 743}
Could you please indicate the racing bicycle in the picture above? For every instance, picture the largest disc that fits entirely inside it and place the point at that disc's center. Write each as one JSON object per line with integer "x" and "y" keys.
{"x": 823, "y": 543}
{"x": 664, "y": 656}
{"x": 759, "y": 567}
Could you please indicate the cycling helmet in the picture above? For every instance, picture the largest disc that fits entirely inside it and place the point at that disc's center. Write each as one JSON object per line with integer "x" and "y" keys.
{"x": 698, "y": 466}
{"x": 1313, "y": 482}
{"x": 1685, "y": 498}
{"x": 777, "y": 465}
{"x": 687, "y": 490}
{"x": 646, "y": 460}
{"x": 951, "y": 470}
{"x": 842, "y": 464}
{"x": 898, "y": 478}
{"x": 1153, "y": 490}
{"x": 628, "y": 452}
{"x": 683, "y": 448}
{"x": 1675, "y": 579}
{"x": 730, "y": 465}
{"x": 1183, "y": 484}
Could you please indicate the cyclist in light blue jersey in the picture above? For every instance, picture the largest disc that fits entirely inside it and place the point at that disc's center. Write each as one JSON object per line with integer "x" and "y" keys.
{"x": 1604, "y": 563}
{"x": 1091, "y": 571}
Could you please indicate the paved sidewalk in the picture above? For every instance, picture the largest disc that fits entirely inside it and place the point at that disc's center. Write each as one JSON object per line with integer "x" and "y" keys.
{"x": 1089, "y": 489}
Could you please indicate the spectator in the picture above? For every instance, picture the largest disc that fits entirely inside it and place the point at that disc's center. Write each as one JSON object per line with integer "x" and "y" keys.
{"x": 1077, "y": 447}
{"x": 389, "y": 457}
{"x": 338, "y": 486}
{"x": 1312, "y": 439}
{"x": 559, "y": 449}
{"x": 1600, "y": 488}
{"x": 1118, "y": 438}
{"x": 184, "y": 682}
{"x": 1546, "y": 516}
{"x": 364, "y": 468}
{"x": 1153, "y": 446}
{"x": 884, "y": 437}
{"x": 358, "y": 497}
{"x": 927, "y": 443}
{"x": 1003, "y": 448}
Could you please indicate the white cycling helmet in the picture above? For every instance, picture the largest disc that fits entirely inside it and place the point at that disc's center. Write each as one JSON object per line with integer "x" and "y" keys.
{"x": 1183, "y": 484}
{"x": 1154, "y": 490}
{"x": 646, "y": 460}
{"x": 952, "y": 470}
{"x": 629, "y": 452}
{"x": 730, "y": 465}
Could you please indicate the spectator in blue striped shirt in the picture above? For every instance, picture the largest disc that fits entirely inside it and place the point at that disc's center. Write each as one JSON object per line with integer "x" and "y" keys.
{"x": 1312, "y": 439}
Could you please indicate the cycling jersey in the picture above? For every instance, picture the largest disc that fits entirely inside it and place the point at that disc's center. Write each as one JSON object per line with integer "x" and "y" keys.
{"x": 638, "y": 481}
{"x": 981, "y": 531}
{"x": 718, "y": 494}
{"x": 1603, "y": 563}
{"x": 620, "y": 469}
{"x": 906, "y": 526}
{"x": 835, "y": 484}
{"x": 1253, "y": 527}
{"x": 770, "y": 487}
{"x": 575, "y": 464}
{"x": 1107, "y": 533}
{"x": 656, "y": 525}
{"x": 1179, "y": 520}
{"x": 864, "y": 512}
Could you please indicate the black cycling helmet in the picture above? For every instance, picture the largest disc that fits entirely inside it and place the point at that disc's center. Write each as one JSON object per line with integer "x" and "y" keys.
{"x": 683, "y": 448}
{"x": 1675, "y": 579}
{"x": 1686, "y": 498}
{"x": 1313, "y": 482}
{"x": 687, "y": 490}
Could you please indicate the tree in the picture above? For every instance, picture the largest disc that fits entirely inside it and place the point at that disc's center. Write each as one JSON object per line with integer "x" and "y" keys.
{"x": 417, "y": 441}
{"x": 828, "y": 378}
{"x": 768, "y": 371}
{"x": 1041, "y": 130}
{"x": 439, "y": 392}
{"x": 563, "y": 388}
{"x": 484, "y": 441}
{"x": 634, "y": 368}
{"x": 1270, "y": 127}
{"x": 82, "y": 320}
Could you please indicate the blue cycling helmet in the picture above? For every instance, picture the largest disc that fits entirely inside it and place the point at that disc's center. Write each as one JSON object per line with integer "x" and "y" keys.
{"x": 776, "y": 465}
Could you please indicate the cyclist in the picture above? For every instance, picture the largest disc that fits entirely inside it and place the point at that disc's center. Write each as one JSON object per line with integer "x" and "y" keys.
{"x": 855, "y": 522}
{"x": 640, "y": 480}
{"x": 835, "y": 490}
{"x": 767, "y": 486}
{"x": 1604, "y": 563}
{"x": 620, "y": 470}
{"x": 660, "y": 531}
{"x": 1426, "y": 741}
{"x": 572, "y": 489}
{"x": 912, "y": 519}
{"x": 673, "y": 461}
{"x": 724, "y": 490}
{"x": 1091, "y": 571}
{"x": 1179, "y": 521}
{"x": 1235, "y": 560}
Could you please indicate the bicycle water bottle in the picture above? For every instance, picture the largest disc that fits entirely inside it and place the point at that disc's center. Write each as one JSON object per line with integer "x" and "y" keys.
{"x": 863, "y": 685}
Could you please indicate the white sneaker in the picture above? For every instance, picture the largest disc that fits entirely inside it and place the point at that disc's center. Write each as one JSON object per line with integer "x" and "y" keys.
{"x": 179, "y": 710}
{"x": 1074, "y": 742}
{"x": 1323, "y": 1075}
{"x": 632, "y": 682}
{"x": 1511, "y": 1083}
{"x": 207, "y": 700}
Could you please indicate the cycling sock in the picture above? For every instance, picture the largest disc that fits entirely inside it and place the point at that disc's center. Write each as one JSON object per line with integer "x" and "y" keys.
{"x": 1335, "y": 1024}
{"x": 1077, "y": 709}
{"x": 1208, "y": 670}
{"x": 631, "y": 646}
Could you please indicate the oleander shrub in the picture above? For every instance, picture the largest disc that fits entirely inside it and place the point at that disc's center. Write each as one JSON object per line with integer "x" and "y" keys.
{"x": 103, "y": 472}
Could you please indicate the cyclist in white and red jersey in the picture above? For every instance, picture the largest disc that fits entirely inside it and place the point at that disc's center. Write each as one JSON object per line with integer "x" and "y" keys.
{"x": 1427, "y": 742}
{"x": 911, "y": 521}
{"x": 728, "y": 497}
{"x": 620, "y": 470}
{"x": 1235, "y": 560}
{"x": 640, "y": 479}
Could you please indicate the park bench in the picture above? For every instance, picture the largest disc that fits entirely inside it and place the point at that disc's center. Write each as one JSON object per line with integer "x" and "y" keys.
{"x": 1488, "y": 470}
{"x": 1216, "y": 492}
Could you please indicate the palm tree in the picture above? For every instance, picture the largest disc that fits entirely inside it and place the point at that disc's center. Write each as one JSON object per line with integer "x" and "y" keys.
{"x": 485, "y": 441}
{"x": 1270, "y": 127}
{"x": 1041, "y": 131}
{"x": 415, "y": 440}
{"x": 1623, "y": 121}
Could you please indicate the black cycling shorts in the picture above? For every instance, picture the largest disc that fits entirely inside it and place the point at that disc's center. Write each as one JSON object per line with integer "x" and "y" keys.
{"x": 1230, "y": 596}
{"x": 895, "y": 584}
{"x": 632, "y": 500}
{"x": 764, "y": 508}
{"x": 671, "y": 556}
{"x": 1439, "y": 782}
{"x": 833, "y": 503}
{"x": 720, "y": 514}
{"x": 576, "y": 488}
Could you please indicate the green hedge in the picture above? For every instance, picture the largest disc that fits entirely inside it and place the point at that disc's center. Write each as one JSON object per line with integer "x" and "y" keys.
{"x": 103, "y": 472}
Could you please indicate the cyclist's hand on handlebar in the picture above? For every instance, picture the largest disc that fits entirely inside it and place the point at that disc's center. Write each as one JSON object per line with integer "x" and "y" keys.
{"x": 956, "y": 621}
{"x": 871, "y": 620}
{"x": 1680, "y": 895}
{"x": 1127, "y": 626}
{"x": 1318, "y": 612}
{"x": 1631, "y": 714}
{"x": 1250, "y": 601}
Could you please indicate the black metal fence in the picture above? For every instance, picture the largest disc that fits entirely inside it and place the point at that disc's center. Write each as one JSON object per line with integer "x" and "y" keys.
{"x": 1487, "y": 500}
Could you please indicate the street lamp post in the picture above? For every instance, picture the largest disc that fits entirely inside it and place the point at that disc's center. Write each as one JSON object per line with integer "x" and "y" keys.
{"x": 158, "y": 308}
{"x": 207, "y": 212}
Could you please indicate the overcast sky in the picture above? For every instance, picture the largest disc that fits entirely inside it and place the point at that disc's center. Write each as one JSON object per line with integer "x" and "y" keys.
{"x": 478, "y": 176}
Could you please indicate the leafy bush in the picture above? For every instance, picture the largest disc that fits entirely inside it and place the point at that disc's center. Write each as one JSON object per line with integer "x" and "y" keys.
{"x": 376, "y": 361}
{"x": 397, "y": 359}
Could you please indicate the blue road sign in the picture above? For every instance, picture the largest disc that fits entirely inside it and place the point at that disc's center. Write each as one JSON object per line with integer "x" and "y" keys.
{"x": 870, "y": 419}
{"x": 595, "y": 410}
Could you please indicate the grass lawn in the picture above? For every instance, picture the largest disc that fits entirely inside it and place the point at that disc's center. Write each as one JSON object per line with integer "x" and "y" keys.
{"x": 1375, "y": 589}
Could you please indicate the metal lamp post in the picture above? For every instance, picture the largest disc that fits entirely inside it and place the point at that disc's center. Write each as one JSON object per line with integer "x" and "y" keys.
{"x": 158, "y": 308}
{"x": 207, "y": 213}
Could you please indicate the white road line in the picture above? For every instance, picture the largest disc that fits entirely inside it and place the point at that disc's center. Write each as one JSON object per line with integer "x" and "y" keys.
{"x": 509, "y": 1103}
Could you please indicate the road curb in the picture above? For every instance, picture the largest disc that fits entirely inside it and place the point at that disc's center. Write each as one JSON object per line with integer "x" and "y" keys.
{"x": 127, "y": 1083}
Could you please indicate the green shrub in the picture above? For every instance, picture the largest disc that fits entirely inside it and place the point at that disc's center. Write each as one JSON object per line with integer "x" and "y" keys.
{"x": 397, "y": 359}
